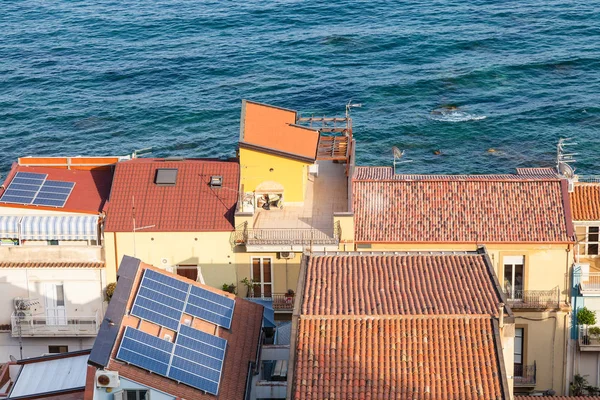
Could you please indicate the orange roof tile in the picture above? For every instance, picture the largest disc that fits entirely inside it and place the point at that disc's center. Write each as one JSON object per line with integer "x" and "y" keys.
{"x": 89, "y": 195}
{"x": 242, "y": 342}
{"x": 44, "y": 264}
{"x": 274, "y": 129}
{"x": 400, "y": 285}
{"x": 459, "y": 209}
{"x": 585, "y": 201}
{"x": 452, "y": 357}
{"x": 559, "y": 397}
{"x": 191, "y": 205}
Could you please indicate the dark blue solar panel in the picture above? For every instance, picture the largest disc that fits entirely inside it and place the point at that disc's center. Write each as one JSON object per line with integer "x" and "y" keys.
{"x": 210, "y": 306}
{"x": 194, "y": 380}
{"x": 31, "y": 175}
{"x": 23, "y": 186}
{"x": 53, "y": 196}
{"x": 32, "y": 188}
{"x": 60, "y": 184}
{"x": 145, "y": 351}
{"x": 49, "y": 202}
{"x": 16, "y": 199}
{"x": 204, "y": 337}
{"x": 162, "y": 278}
{"x": 155, "y": 317}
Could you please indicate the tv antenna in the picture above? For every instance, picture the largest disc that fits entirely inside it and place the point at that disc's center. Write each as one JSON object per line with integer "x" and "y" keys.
{"x": 397, "y": 156}
{"x": 350, "y": 105}
{"x": 141, "y": 152}
{"x": 563, "y": 159}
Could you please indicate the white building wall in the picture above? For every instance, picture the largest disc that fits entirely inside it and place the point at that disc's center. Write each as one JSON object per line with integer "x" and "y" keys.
{"x": 104, "y": 394}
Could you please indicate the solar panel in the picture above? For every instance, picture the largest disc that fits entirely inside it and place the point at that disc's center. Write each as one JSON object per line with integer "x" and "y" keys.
{"x": 210, "y": 307}
{"x": 145, "y": 351}
{"x": 160, "y": 299}
{"x": 198, "y": 359}
{"x": 32, "y": 188}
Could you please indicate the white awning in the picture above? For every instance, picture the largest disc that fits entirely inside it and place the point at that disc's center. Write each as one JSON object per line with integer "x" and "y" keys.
{"x": 9, "y": 226}
{"x": 64, "y": 227}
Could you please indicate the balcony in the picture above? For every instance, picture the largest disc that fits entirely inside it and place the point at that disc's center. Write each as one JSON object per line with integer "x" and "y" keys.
{"x": 534, "y": 299}
{"x": 589, "y": 338}
{"x": 45, "y": 326}
{"x": 61, "y": 253}
{"x": 524, "y": 375}
{"x": 589, "y": 284}
{"x": 281, "y": 239}
{"x": 281, "y": 301}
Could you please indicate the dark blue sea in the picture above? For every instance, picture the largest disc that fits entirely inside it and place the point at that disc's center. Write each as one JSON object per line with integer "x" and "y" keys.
{"x": 109, "y": 77}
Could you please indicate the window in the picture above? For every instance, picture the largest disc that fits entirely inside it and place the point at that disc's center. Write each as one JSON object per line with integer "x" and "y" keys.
{"x": 131, "y": 394}
{"x": 58, "y": 349}
{"x": 188, "y": 271}
{"x": 52, "y": 242}
{"x": 591, "y": 247}
{"x": 262, "y": 275}
{"x": 519, "y": 334}
{"x": 513, "y": 276}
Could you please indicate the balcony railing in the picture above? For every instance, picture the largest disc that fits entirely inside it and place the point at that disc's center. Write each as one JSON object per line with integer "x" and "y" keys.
{"x": 524, "y": 375}
{"x": 534, "y": 298}
{"x": 281, "y": 301}
{"x": 44, "y": 326}
{"x": 589, "y": 283}
{"x": 589, "y": 336}
{"x": 286, "y": 239}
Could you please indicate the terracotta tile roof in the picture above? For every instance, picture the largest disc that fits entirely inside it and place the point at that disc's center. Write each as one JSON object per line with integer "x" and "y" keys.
{"x": 191, "y": 205}
{"x": 274, "y": 129}
{"x": 585, "y": 202}
{"x": 89, "y": 195}
{"x": 40, "y": 264}
{"x": 400, "y": 285}
{"x": 537, "y": 172}
{"x": 477, "y": 209}
{"x": 242, "y": 342}
{"x": 452, "y": 357}
{"x": 559, "y": 397}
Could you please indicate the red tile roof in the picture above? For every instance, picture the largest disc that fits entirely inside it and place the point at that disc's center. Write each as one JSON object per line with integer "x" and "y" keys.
{"x": 468, "y": 209}
{"x": 39, "y": 264}
{"x": 274, "y": 129}
{"x": 451, "y": 357}
{"x": 89, "y": 195}
{"x": 559, "y": 397}
{"x": 394, "y": 326}
{"x": 400, "y": 285}
{"x": 585, "y": 202}
{"x": 191, "y": 205}
{"x": 242, "y": 344}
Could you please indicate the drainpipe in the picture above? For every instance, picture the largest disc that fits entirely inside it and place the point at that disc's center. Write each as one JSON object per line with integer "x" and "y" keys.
{"x": 501, "y": 314}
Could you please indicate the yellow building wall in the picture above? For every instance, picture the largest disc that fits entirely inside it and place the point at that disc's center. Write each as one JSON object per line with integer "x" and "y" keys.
{"x": 544, "y": 344}
{"x": 285, "y": 271}
{"x": 255, "y": 168}
{"x": 212, "y": 251}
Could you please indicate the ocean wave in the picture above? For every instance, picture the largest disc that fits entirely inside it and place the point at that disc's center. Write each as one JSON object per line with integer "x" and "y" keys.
{"x": 445, "y": 115}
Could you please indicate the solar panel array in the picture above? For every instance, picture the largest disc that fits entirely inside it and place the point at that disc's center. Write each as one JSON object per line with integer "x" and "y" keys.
{"x": 196, "y": 358}
{"x": 31, "y": 188}
{"x": 162, "y": 300}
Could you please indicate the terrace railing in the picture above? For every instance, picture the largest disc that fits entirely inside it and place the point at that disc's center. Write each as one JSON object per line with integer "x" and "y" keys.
{"x": 284, "y": 237}
{"x": 524, "y": 375}
{"x": 281, "y": 301}
{"x": 45, "y": 326}
{"x": 589, "y": 282}
{"x": 534, "y": 298}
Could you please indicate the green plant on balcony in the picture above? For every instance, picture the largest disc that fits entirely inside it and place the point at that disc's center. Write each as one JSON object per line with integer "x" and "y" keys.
{"x": 228, "y": 287}
{"x": 586, "y": 317}
{"x": 250, "y": 284}
{"x": 594, "y": 332}
{"x": 110, "y": 290}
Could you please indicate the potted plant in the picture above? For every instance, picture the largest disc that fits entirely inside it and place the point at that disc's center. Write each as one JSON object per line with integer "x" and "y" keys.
{"x": 110, "y": 290}
{"x": 289, "y": 296}
{"x": 250, "y": 284}
{"x": 586, "y": 317}
{"x": 229, "y": 287}
{"x": 594, "y": 332}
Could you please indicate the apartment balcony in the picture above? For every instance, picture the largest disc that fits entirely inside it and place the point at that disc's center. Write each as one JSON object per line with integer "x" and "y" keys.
{"x": 524, "y": 375}
{"x": 60, "y": 253}
{"x": 534, "y": 299}
{"x": 46, "y": 326}
{"x": 589, "y": 284}
{"x": 282, "y": 302}
{"x": 589, "y": 338}
{"x": 286, "y": 240}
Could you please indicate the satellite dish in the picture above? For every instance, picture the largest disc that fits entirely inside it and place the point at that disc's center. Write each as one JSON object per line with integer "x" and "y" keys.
{"x": 397, "y": 152}
{"x": 566, "y": 170}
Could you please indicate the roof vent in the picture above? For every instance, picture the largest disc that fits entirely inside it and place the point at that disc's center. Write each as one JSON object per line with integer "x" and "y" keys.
{"x": 174, "y": 158}
{"x": 166, "y": 176}
{"x": 216, "y": 181}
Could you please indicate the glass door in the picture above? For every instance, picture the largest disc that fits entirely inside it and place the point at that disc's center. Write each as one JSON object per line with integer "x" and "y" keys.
{"x": 513, "y": 277}
{"x": 262, "y": 275}
{"x": 56, "y": 313}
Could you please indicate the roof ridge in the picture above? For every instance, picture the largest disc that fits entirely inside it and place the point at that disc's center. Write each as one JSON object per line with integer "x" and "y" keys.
{"x": 394, "y": 316}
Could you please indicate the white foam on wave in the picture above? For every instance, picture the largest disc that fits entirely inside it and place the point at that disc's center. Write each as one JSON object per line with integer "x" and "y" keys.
{"x": 454, "y": 116}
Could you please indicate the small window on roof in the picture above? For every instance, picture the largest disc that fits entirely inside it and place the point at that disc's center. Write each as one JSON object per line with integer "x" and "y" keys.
{"x": 216, "y": 181}
{"x": 166, "y": 176}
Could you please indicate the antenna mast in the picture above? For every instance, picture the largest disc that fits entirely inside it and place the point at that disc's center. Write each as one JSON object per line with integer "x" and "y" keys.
{"x": 563, "y": 159}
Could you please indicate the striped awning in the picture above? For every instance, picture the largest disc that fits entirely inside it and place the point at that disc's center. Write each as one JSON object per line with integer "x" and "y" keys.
{"x": 9, "y": 226}
{"x": 64, "y": 227}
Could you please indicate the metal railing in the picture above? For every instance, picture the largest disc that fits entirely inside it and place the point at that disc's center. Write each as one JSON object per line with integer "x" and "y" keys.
{"x": 43, "y": 325}
{"x": 281, "y": 301}
{"x": 589, "y": 336}
{"x": 534, "y": 298}
{"x": 590, "y": 281}
{"x": 588, "y": 178}
{"x": 524, "y": 375}
{"x": 283, "y": 237}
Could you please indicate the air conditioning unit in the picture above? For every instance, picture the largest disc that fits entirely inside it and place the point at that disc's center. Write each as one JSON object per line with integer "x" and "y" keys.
{"x": 23, "y": 314}
{"x": 286, "y": 255}
{"x": 20, "y": 304}
{"x": 107, "y": 379}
